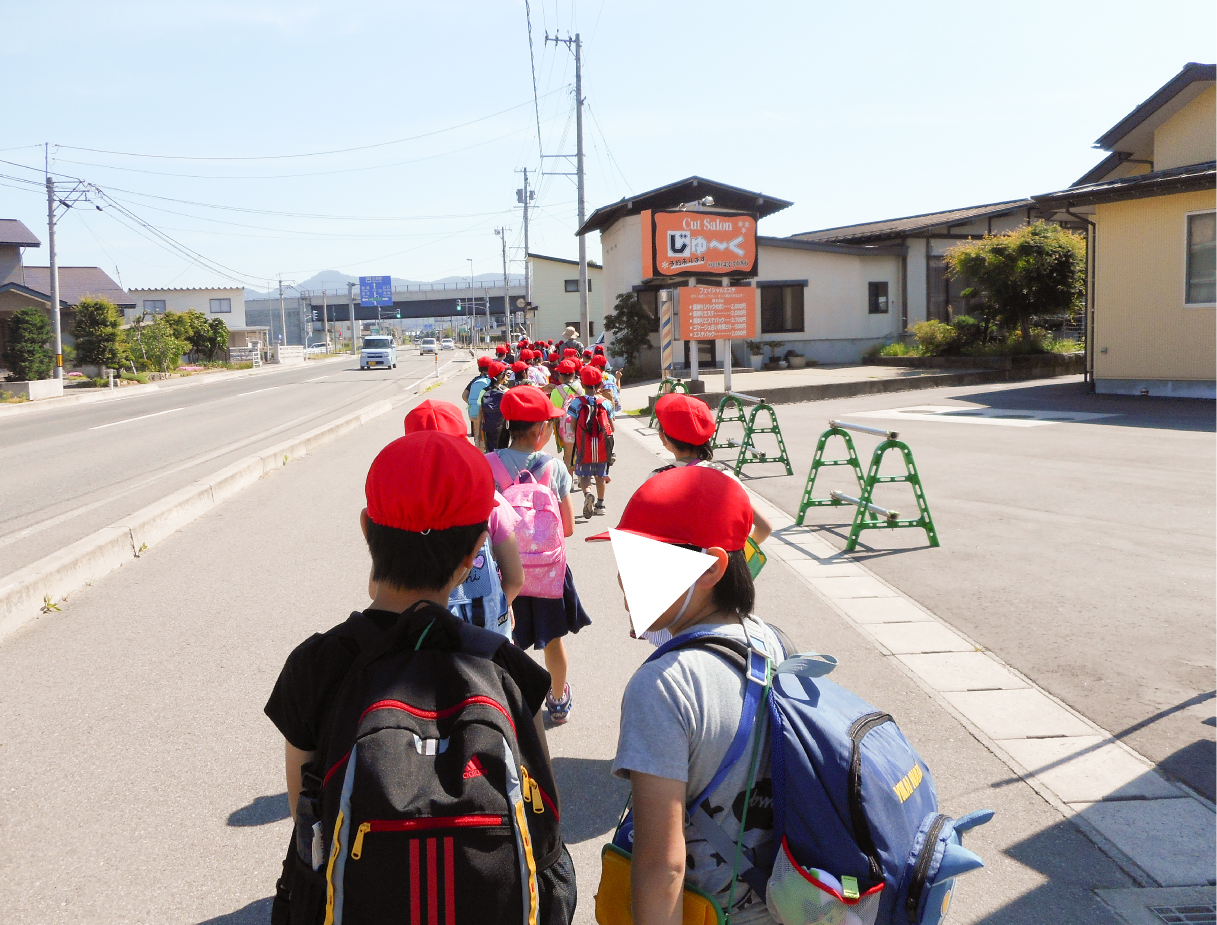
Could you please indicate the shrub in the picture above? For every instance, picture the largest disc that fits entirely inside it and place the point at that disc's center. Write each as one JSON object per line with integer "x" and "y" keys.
{"x": 899, "y": 349}
{"x": 969, "y": 332}
{"x": 934, "y": 338}
{"x": 27, "y": 355}
{"x": 629, "y": 325}
{"x": 98, "y": 331}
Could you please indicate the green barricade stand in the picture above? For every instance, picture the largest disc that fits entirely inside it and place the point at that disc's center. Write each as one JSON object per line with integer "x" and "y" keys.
{"x": 730, "y": 411}
{"x": 818, "y": 462}
{"x": 749, "y": 455}
{"x": 666, "y": 386}
{"x": 868, "y": 515}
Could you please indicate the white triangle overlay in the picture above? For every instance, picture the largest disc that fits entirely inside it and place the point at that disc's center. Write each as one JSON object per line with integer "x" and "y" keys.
{"x": 654, "y": 574}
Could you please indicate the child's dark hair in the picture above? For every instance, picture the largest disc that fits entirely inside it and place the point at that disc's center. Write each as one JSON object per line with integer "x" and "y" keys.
{"x": 419, "y": 560}
{"x": 735, "y": 592}
{"x": 514, "y": 429}
{"x": 703, "y": 451}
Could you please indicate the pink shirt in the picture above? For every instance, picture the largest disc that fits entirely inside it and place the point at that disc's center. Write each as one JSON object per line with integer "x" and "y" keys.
{"x": 503, "y": 520}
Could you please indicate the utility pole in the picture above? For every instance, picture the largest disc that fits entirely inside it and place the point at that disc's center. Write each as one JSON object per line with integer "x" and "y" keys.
{"x": 577, "y": 44}
{"x": 282, "y": 317}
{"x": 502, "y": 233}
{"x": 351, "y": 312}
{"x": 50, "y": 222}
{"x": 525, "y": 196}
{"x": 325, "y": 318}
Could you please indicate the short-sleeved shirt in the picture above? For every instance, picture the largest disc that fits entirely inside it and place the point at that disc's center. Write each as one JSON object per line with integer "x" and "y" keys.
{"x": 313, "y": 674}
{"x": 538, "y": 375}
{"x": 516, "y": 461}
{"x": 503, "y": 520}
{"x": 695, "y": 697}
{"x": 476, "y": 388}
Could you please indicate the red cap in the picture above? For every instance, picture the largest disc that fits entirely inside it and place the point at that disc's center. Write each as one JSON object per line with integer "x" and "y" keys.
{"x": 566, "y": 367}
{"x": 429, "y": 481}
{"x": 525, "y": 354}
{"x": 519, "y": 366}
{"x": 501, "y": 350}
{"x": 598, "y": 349}
{"x": 496, "y": 369}
{"x": 692, "y": 506}
{"x": 528, "y": 405}
{"x": 550, "y": 342}
{"x": 436, "y": 415}
{"x": 570, "y": 352}
{"x": 587, "y": 354}
{"x": 483, "y": 362}
{"x": 685, "y": 418}
{"x": 553, "y": 356}
{"x": 599, "y": 361}
{"x": 590, "y": 375}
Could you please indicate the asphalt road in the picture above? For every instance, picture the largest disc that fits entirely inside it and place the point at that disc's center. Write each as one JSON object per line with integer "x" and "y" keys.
{"x": 142, "y": 782}
{"x": 70, "y": 471}
{"x": 1081, "y": 553}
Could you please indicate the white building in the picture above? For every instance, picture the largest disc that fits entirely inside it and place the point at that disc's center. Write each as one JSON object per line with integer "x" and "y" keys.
{"x": 554, "y": 283}
{"x": 227, "y": 304}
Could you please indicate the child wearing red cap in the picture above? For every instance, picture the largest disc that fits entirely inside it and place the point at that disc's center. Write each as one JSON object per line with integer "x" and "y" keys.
{"x": 489, "y": 419}
{"x": 592, "y": 414}
{"x": 686, "y": 429}
{"x": 538, "y": 375}
{"x": 542, "y": 622}
{"x": 472, "y": 396}
{"x": 564, "y": 392}
{"x": 429, "y": 496}
{"x": 681, "y": 710}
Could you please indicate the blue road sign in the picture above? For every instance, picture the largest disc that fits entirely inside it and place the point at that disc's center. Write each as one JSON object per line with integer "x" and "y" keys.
{"x": 375, "y": 290}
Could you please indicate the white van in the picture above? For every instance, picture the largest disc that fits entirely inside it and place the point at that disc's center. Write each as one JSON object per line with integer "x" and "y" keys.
{"x": 378, "y": 350}
{"x": 428, "y": 345}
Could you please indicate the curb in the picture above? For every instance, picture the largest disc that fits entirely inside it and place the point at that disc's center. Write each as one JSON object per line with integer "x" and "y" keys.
{"x": 54, "y": 577}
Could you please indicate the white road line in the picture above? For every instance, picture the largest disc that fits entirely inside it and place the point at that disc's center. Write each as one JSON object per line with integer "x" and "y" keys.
{"x": 317, "y": 379}
{"x": 256, "y": 391}
{"x": 977, "y": 414}
{"x": 129, "y": 420}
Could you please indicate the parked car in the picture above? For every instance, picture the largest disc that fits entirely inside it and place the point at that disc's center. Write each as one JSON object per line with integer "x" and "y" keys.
{"x": 447, "y": 344}
{"x": 378, "y": 350}
{"x": 428, "y": 345}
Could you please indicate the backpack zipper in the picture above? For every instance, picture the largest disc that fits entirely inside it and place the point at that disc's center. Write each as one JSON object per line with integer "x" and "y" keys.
{"x": 922, "y": 868}
{"x": 428, "y": 822}
{"x": 857, "y": 730}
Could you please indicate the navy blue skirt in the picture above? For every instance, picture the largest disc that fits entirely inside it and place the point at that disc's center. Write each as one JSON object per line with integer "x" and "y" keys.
{"x": 540, "y": 620}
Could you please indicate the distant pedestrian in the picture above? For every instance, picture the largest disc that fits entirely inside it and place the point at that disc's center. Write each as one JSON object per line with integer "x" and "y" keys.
{"x": 570, "y": 341}
{"x": 472, "y": 395}
{"x": 567, "y": 389}
{"x": 489, "y": 418}
{"x": 593, "y": 429}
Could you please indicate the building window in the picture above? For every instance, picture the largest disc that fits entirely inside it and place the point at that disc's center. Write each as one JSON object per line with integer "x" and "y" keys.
{"x": 876, "y": 298}
{"x": 1202, "y": 258}
{"x": 572, "y": 285}
{"x": 781, "y": 309}
{"x": 221, "y": 306}
{"x": 591, "y": 327}
{"x": 154, "y": 306}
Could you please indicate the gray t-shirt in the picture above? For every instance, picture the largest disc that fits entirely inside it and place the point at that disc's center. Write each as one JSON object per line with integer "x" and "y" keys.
{"x": 559, "y": 476}
{"x": 696, "y": 697}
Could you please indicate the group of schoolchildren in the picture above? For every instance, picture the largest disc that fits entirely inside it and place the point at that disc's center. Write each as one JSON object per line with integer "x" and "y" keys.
{"x": 418, "y": 774}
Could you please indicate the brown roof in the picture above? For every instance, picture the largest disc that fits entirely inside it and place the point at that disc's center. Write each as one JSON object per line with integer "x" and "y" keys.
{"x": 1189, "y": 178}
{"x": 15, "y": 232}
{"x": 912, "y": 224}
{"x": 686, "y": 190}
{"x": 75, "y": 283}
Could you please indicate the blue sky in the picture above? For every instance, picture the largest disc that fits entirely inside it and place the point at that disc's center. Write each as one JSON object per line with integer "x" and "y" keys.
{"x": 853, "y": 111}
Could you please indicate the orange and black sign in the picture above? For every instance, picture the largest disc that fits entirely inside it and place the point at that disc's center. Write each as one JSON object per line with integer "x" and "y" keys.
{"x": 698, "y": 244}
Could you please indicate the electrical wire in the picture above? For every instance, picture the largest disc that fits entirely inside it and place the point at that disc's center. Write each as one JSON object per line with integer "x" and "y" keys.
{"x": 276, "y": 157}
{"x": 532, "y": 63}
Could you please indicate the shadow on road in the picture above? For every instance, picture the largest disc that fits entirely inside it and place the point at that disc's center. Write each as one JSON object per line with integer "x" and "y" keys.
{"x": 261, "y": 811}
{"x": 593, "y": 797}
{"x": 256, "y": 913}
{"x": 1131, "y": 411}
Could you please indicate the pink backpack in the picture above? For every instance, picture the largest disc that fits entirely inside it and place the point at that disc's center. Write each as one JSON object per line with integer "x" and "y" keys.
{"x": 539, "y": 533}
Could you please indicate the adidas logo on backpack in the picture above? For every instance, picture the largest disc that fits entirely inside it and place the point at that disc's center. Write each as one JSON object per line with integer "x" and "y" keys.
{"x": 857, "y": 829}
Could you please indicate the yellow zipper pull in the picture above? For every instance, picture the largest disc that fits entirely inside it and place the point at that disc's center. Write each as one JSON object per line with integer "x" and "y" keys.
{"x": 357, "y": 848}
{"x": 524, "y": 784}
{"x": 538, "y": 805}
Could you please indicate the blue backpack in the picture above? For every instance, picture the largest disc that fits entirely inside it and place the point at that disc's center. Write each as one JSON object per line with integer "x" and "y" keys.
{"x": 479, "y": 599}
{"x": 857, "y": 831}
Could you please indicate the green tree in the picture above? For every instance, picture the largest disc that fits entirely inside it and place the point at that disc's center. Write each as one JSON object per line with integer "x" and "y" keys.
{"x": 27, "y": 354}
{"x": 1039, "y": 269}
{"x": 629, "y": 325}
{"x": 98, "y": 330}
{"x": 161, "y": 347}
{"x": 217, "y": 338}
{"x": 191, "y": 328}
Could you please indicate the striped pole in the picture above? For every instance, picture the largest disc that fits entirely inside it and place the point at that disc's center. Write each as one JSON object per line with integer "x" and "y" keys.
{"x": 665, "y": 334}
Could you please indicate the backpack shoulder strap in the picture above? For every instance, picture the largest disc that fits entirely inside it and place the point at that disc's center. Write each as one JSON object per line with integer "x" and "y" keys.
{"x": 480, "y": 642}
{"x": 502, "y": 477}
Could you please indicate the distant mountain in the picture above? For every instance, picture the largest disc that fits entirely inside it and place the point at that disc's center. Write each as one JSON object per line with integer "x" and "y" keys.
{"x": 333, "y": 281}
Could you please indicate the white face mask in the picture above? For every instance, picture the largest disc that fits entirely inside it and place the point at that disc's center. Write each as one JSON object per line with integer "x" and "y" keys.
{"x": 658, "y": 637}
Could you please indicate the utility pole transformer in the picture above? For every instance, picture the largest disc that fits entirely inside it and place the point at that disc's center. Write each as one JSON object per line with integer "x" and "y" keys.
{"x": 50, "y": 221}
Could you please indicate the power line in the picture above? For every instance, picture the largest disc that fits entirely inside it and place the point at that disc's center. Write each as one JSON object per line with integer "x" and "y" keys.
{"x": 532, "y": 63}
{"x": 276, "y": 157}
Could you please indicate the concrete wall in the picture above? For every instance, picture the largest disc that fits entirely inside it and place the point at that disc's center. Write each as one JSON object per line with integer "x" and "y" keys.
{"x": 10, "y": 264}
{"x": 555, "y": 306}
{"x": 1142, "y": 331}
{"x": 1190, "y": 135}
{"x": 199, "y": 300}
{"x": 621, "y": 251}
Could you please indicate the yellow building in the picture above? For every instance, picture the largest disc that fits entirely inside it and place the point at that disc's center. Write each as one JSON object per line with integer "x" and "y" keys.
{"x": 1151, "y": 211}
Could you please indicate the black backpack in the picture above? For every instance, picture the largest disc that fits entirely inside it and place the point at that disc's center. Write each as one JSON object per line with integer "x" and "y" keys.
{"x": 492, "y": 417}
{"x": 435, "y": 800}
